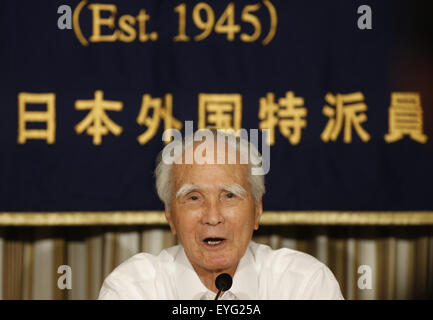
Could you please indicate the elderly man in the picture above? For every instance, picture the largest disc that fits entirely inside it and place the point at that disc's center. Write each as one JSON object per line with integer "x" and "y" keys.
{"x": 213, "y": 209}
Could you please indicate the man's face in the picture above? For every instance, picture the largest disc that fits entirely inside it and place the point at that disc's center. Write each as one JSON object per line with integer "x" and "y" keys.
{"x": 213, "y": 214}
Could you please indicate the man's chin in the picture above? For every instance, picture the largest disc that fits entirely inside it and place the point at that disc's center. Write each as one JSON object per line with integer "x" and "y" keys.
{"x": 219, "y": 265}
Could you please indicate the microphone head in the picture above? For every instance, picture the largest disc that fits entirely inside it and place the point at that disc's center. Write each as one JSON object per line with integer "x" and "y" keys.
{"x": 223, "y": 282}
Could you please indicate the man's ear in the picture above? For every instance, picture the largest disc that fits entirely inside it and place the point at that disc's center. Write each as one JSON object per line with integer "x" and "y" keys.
{"x": 170, "y": 219}
{"x": 258, "y": 214}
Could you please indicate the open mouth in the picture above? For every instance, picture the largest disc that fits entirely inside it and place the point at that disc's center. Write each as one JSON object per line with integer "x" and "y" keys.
{"x": 213, "y": 241}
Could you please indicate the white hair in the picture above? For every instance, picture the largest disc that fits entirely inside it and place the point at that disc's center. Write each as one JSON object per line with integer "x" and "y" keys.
{"x": 247, "y": 150}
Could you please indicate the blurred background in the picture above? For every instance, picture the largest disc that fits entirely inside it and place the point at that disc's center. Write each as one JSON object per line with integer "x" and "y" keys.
{"x": 88, "y": 87}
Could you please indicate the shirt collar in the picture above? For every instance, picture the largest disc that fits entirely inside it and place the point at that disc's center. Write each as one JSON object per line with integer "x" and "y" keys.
{"x": 246, "y": 279}
{"x": 189, "y": 286}
{"x": 188, "y": 283}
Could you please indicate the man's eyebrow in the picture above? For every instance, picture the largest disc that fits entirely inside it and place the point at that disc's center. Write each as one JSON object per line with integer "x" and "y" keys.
{"x": 185, "y": 189}
{"x": 233, "y": 188}
{"x": 236, "y": 189}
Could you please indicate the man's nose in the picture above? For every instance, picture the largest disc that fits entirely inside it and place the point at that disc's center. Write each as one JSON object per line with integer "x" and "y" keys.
{"x": 212, "y": 214}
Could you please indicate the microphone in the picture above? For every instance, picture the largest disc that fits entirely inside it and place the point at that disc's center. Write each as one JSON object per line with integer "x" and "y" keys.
{"x": 223, "y": 283}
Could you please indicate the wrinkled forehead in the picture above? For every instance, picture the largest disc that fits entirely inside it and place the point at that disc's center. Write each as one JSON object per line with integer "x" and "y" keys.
{"x": 211, "y": 164}
{"x": 209, "y": 174}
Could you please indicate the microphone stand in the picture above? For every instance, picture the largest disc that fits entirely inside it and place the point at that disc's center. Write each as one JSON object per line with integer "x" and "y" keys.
{"x": 218, "y": 294}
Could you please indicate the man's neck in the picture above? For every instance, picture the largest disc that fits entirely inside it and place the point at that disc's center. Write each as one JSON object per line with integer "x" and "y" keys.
{"x": 208, "y": 277}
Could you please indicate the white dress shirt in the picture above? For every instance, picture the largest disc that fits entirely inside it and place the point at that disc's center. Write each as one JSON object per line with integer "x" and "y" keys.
{"x": 262, "y": 274}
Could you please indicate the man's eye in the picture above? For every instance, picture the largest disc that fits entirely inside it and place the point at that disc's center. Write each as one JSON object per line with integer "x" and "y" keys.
{"x": 194, "y": 198}
{"x": 230, "y": 195}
